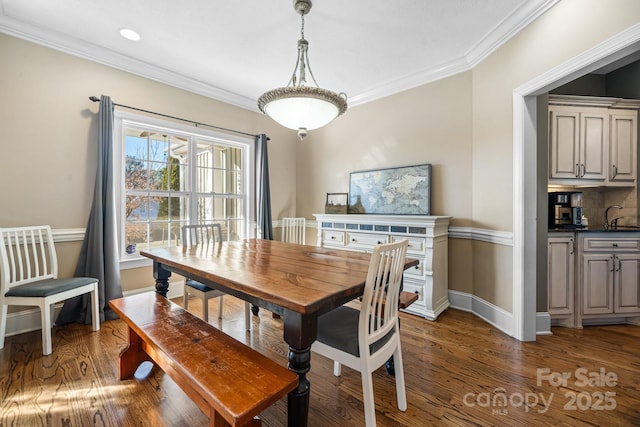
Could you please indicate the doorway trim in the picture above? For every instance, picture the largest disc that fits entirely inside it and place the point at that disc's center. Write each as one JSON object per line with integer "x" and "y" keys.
{"x": 525, "y": 222}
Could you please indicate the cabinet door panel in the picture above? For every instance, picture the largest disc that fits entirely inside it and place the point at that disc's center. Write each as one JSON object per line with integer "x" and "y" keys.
{"x": 627, "y": 286}
{"x": 594, "y": 135}
{"x": 597, "y": 284}
{"x": 564, "y": 144}
{"x": 561, "y": 273}
{"x": 623, "y": 146}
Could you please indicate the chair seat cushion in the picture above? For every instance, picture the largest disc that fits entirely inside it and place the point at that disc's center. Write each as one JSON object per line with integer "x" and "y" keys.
{"x": 48, "y": 287}
{"x": 339, "y": 329}
{"x": 199, "y": 286}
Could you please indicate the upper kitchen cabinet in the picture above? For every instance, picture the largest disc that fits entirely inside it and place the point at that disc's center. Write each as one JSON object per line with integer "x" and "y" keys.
{"x": 623, "y": 145}
{"x": 578, "y": 149}
{"x": 592, "y": 141}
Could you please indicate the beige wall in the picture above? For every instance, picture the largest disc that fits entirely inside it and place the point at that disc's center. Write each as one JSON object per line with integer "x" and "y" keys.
{"x": 568, "y": 29}
{"x": 49, "y": 133}
{"x": 429, "y": 124}
{"x": 462, "y": 125}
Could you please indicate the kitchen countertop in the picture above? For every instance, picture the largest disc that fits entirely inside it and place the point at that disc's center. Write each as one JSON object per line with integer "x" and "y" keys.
{"x": 597, "y": 229}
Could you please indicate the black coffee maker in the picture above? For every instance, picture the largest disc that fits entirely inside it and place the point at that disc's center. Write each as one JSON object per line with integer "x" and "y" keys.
{"x": 565, "y": 209}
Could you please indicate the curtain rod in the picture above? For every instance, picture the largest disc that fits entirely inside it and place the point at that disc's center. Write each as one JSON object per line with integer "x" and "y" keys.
{"x": 96, "y": 99}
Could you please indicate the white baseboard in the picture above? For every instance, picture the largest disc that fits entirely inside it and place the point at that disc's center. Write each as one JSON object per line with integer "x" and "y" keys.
{"x": 493, "y": 314}
{"x": 460, "y": 300}
{"x": 28, "y": 320}
{"x": 543, "y": 323}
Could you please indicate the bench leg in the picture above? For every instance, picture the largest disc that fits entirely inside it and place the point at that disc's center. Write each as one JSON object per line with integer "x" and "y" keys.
{"x": 131, "y": 357}
{"x": 216, "y": 420}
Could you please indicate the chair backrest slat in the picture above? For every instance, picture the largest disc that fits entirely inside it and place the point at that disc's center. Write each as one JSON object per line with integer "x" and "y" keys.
{"x": 293, "y": 230}
{"x": 27, "y": 254}
{"x": 201, "y": 234}
{"x": 379, "y": 310}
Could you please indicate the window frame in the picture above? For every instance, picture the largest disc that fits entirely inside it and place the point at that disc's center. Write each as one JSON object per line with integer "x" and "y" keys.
{"x": 123, "y": 119}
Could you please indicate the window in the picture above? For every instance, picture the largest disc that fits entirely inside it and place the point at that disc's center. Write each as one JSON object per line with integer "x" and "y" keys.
{"x": 171, "y": 175}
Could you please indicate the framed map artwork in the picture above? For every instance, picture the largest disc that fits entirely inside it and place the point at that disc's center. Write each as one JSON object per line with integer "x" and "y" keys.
{"x": 397, "y": 191}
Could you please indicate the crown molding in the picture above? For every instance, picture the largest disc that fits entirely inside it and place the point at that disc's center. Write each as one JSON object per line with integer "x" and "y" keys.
{"x": 500, "y": 34}
{"x": 110, "y": 58}
{"x": 411, "y": 81}
{"x": 506, "y": 29}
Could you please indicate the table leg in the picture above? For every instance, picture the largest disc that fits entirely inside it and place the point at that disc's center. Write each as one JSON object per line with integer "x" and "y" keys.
{"x": 162, "y": 278}
{"x": 299, "y": 332}
{"x": 298, "y": 399}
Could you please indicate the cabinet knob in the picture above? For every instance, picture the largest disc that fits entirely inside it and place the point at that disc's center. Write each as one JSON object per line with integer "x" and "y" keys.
{"x": 615, "y": 245}
{"x": 333, "y": 237}
{"x": 379, "y": 241}
{"x": 353, "y": 239}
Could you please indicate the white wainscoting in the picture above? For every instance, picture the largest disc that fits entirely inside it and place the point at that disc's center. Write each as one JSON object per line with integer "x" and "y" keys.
{"x": 29, "y": 320}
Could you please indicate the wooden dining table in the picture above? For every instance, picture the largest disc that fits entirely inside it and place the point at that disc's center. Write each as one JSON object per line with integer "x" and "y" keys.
{"x": 298, "y": 282}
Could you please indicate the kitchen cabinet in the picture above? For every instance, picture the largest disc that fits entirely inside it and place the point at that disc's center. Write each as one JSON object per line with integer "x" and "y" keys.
{"x": 428, "y": 238}
{"x": 578, "y": 144}
{"x": 609, "y": 278}
{"x": 623, "y": 146}
{"x": 592, "y": 141}
{"x": 561, "y": 279}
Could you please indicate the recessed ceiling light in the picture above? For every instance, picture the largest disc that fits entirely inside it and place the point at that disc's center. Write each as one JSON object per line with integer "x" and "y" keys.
{"x": 129, "y": 34}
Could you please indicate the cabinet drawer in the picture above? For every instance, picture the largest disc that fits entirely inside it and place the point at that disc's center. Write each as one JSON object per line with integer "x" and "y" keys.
{"x": 364, "y": 241}
{"x": 417, "y": 245}
{"x": 600, "y": 244}
{"x": 330, "y": 237}
{"x": 417, "y": 271}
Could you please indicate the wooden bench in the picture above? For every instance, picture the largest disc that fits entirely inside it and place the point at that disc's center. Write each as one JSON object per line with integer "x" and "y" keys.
{"x": 229, "y": 381}
{"x": 406, "y": 299}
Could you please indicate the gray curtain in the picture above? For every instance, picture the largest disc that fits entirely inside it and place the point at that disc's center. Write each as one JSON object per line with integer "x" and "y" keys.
{"x": 99, "y": 254}
{"x": 263, "y": 195}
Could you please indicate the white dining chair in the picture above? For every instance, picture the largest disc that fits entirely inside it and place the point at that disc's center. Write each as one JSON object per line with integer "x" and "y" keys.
{"x": 205, "y": 235}
{"x": 29, "y": 277}
{"x": 293, "y": 230}
{"x": 365, "y": 339}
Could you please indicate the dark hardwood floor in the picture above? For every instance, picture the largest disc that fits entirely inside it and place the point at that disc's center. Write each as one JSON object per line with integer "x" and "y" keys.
{"x": 460, "y": 371}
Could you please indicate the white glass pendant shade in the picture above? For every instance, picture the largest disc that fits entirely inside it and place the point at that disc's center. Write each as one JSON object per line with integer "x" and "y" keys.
{"x": 302, "y": 107}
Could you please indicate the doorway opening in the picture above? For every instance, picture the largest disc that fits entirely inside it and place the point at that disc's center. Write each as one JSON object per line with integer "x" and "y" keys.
{"x": 526, "y": 222}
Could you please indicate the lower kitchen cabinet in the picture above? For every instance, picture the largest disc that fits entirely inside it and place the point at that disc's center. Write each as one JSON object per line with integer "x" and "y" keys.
{"x": 609, "y": 280}
{"x": 561, "y": 279}
{"x": 593, "y": 278}
{"x": 626, "y": 284}
{"x": 597, "y": 284}
{"x": 428, "y": 238}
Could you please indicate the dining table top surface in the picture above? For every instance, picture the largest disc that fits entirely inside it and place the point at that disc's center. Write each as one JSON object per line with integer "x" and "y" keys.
{"x": 301, "y": 278}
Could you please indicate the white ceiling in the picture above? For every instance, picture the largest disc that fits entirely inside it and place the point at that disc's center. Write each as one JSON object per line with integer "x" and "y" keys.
{"x": 235, "y": 50}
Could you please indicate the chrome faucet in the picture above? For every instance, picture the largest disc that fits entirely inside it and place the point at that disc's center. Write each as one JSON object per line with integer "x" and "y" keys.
{"x": 606, "y": 216}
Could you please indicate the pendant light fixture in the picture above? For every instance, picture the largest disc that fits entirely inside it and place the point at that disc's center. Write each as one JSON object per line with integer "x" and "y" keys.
{"x": 298, "y": 106}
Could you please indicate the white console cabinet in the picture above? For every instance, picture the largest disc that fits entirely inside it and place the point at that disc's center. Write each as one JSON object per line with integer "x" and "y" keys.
{"x": 428, "y": 242}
